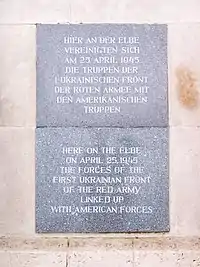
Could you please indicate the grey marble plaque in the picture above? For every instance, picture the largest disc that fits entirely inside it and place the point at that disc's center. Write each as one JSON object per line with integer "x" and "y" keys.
{"x": 102, "y": 180}
{"x": 102, "y": 75}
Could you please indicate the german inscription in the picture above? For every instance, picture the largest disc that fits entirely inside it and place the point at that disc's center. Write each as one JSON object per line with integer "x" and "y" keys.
{"x": 102, "y": 75}
{"x": 102, "y": 180}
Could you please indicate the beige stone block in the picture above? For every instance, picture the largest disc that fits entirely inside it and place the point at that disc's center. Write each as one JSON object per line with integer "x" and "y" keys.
{"x": 184, "y": 74}
{"x": 185, "y": 181}
{"x": 18, "y": 77}
{"x": 63, "y": 11}
{"x": 45, "y": 11}
{"x": 17, "y": 188}
{"x": 100, "y": 252}
{"x": 163, "y": 243}
{"x": 34, "y": 243}
{"x": 115, "y": 11}
{"x": 4, "y": 259}
{"x": 166, "y": 258}
{"x": 32, "y": 259}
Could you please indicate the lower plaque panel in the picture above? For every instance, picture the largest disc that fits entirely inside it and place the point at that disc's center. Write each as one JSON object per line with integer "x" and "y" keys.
{"x": 102, "y": 180}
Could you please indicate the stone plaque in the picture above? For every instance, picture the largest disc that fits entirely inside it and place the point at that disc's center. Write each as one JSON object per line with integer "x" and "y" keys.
{"x": 102, "y": 75}
{"x": 101, "y": 179}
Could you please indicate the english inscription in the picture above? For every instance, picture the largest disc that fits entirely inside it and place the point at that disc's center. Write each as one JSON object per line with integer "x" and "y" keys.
{"x": 102, "y": 180}
{"x": 102, "y": 75}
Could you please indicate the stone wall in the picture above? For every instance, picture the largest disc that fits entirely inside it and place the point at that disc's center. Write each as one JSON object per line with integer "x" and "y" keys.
{"x": 20, "y": 246}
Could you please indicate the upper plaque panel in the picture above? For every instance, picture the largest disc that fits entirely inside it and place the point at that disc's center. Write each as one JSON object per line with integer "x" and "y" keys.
{"x": 102, "y": 75}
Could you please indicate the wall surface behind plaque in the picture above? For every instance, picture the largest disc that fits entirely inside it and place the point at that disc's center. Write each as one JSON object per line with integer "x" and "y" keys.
{"x": 19, "y": 245}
